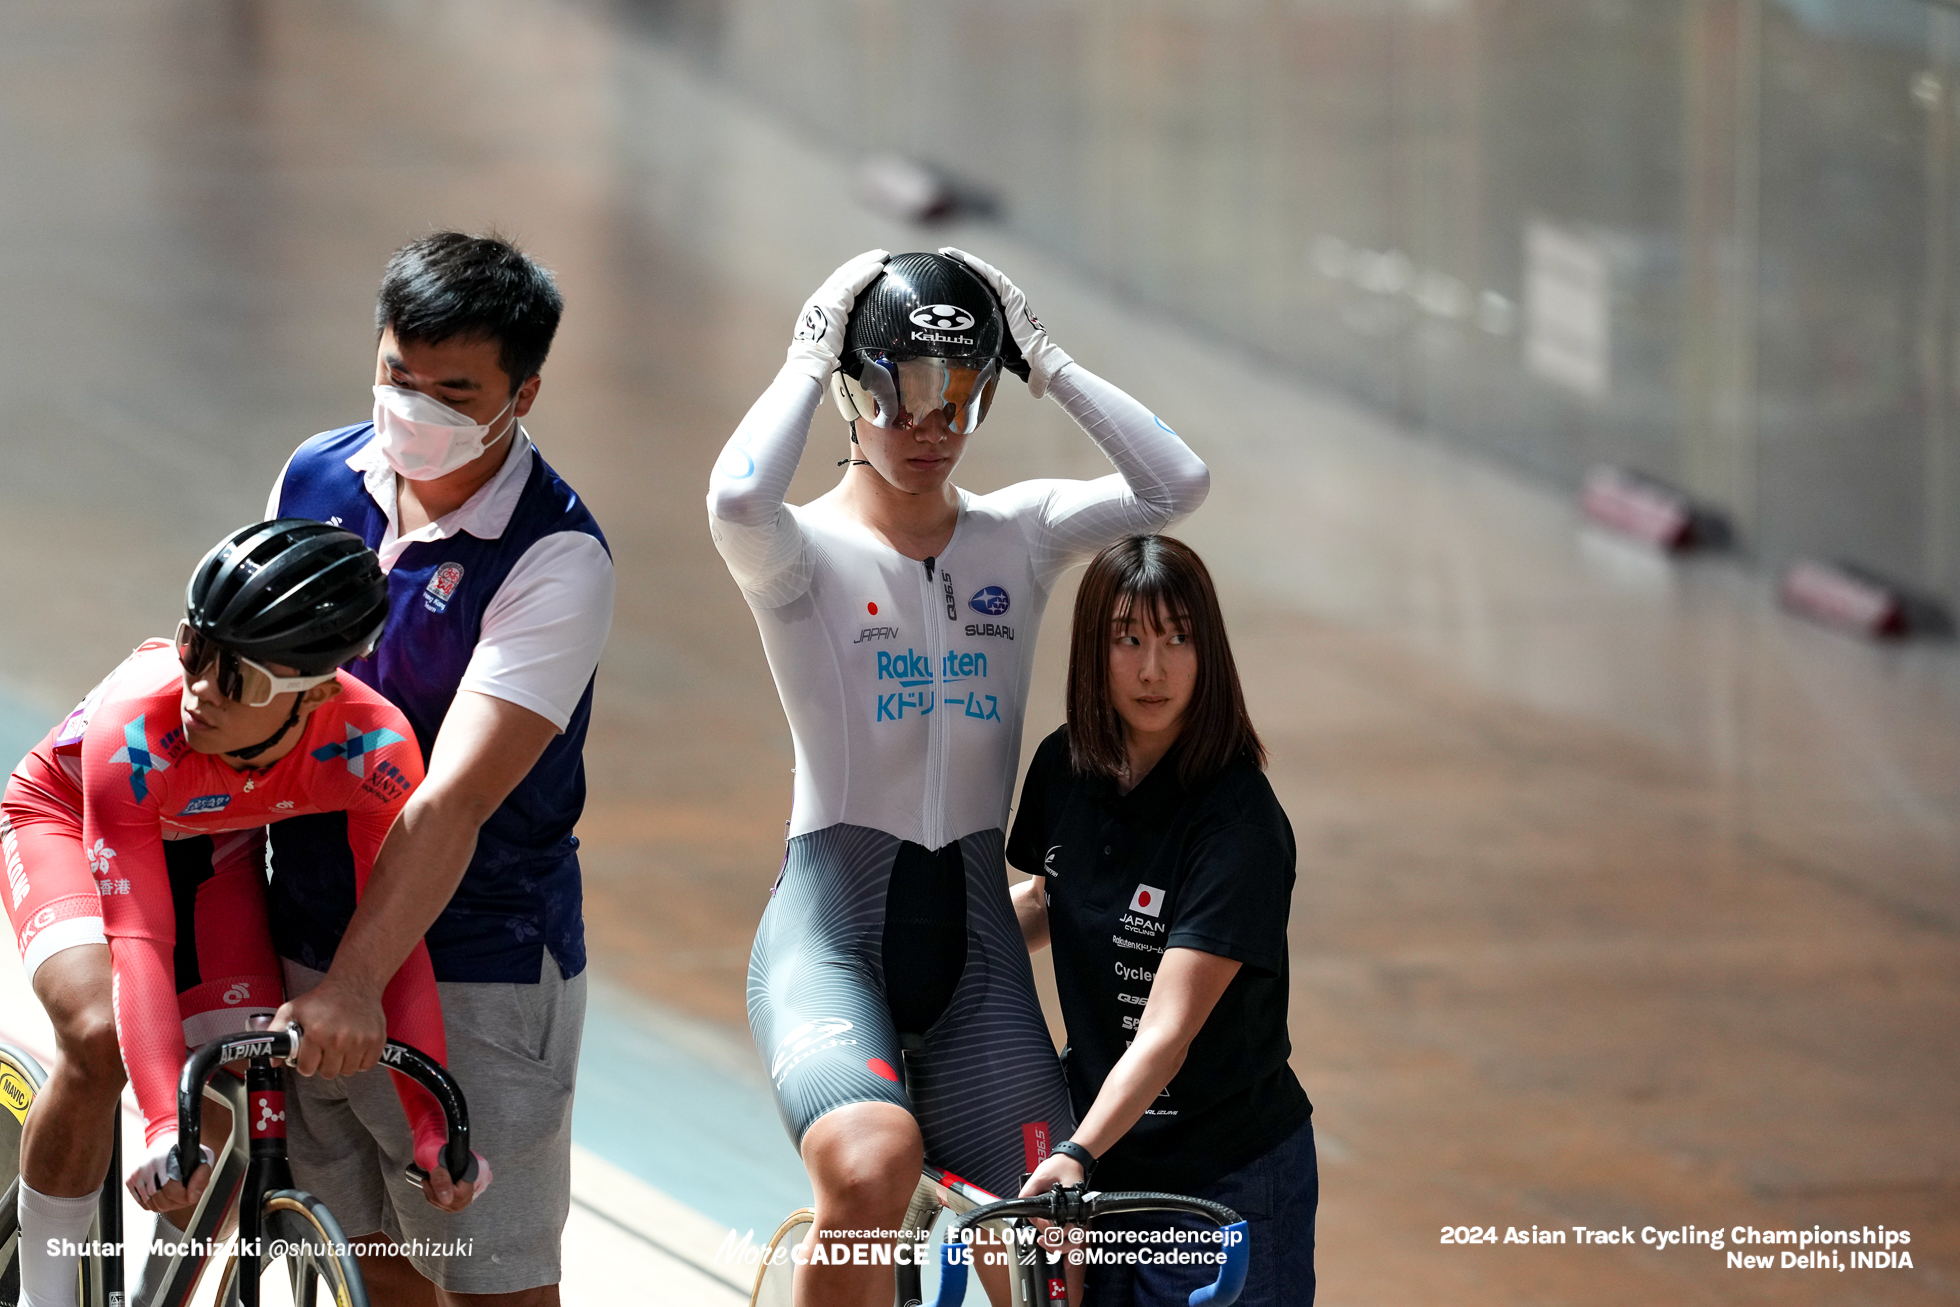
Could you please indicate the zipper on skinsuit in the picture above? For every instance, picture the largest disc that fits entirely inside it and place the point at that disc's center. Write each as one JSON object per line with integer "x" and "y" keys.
{"x": 932, "y": 818}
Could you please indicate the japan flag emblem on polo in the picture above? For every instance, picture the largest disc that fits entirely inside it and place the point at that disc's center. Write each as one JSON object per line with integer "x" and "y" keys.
{"x": 1149, "y": 900}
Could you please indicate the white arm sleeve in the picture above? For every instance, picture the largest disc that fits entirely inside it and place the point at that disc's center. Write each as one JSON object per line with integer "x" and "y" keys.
{"x": 1159, "y": 479}
{"x": 755, "y": 531}
{"x": 542, "y": 633}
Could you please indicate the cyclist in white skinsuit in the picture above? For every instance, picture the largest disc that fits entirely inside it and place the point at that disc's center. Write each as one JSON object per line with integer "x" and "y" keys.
{"x": 904, "y": 676}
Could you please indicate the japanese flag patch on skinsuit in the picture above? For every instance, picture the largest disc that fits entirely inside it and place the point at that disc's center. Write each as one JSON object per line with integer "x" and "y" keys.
{"x": 1149, "y": 900}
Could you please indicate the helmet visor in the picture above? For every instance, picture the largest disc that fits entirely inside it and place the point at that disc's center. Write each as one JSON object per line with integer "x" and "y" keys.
{"x": 902, "y": 392}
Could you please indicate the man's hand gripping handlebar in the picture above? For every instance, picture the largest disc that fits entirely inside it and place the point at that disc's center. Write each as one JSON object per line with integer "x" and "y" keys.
{"x": 263, "y": 1047}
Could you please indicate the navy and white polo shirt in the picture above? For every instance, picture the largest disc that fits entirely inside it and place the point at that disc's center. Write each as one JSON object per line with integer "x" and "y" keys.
{"x": 510, "y": 595}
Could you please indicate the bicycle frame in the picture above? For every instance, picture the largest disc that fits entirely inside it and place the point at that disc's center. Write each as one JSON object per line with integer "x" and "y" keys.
{"x": 187, "y": 1263}
{"x": 938, "y": 1191}
{"x": 249, "y": 1164}
{"x": 264, "y": 1110}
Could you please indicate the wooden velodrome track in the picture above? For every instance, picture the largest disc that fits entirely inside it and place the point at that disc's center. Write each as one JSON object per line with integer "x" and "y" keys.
{"x": 1623, "y": 900}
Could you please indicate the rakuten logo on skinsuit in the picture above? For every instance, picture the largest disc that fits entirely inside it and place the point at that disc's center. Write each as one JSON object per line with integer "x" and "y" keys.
{"x": 908, "y": 668}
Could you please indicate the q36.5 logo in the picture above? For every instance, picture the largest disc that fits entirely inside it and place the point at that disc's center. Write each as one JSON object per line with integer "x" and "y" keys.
{"x": 941, "y": 317}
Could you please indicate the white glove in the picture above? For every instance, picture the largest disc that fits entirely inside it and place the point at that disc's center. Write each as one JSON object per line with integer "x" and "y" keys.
{"x": 155, "y": 1169}
{"x": 820, "y": 327}
{"x": 1044, "y": 360}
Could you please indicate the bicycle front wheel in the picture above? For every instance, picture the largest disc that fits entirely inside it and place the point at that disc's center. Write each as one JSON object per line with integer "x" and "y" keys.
{"x": 299, "y": 1228}
{"x": 21, "y": 1078}
{"x": 775, "y": 1278}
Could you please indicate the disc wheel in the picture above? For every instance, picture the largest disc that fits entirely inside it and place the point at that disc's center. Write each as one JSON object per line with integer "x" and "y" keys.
{"x": 775, "y": 1279}
{"x": 314, "y": 1250}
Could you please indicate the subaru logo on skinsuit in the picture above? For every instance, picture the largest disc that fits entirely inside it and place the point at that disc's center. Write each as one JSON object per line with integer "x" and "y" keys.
{"x": 992, "y": 601}
{"x": 941, "y": 317}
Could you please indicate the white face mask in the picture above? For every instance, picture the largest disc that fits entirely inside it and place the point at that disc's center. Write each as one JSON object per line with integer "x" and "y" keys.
{"x": 423, "y": 438}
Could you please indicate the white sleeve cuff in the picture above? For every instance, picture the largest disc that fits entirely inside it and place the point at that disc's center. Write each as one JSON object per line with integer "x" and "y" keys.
{"x": 544, "y": 630}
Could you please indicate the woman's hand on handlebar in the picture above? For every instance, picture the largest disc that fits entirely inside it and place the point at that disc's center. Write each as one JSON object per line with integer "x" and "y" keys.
{"x": 153, "y": 1179}
{"x": 1055, "y": 1169}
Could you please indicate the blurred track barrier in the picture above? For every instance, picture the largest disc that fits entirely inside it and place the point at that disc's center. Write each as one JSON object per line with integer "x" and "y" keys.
{"x": 629, "y": 1243}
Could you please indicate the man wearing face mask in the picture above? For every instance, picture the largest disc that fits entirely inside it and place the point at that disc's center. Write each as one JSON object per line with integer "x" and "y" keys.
{"x": 500, "y": 598}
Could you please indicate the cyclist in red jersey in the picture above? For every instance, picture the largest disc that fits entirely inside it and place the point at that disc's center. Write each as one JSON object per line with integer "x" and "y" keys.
{"x": 138, "y": 823}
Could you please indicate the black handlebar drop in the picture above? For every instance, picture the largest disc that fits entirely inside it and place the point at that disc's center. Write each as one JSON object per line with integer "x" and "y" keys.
{"x": 262, "y": 1047}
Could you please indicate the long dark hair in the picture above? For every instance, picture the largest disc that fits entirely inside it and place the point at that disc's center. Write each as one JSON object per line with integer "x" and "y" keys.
{"x": 1135, "y": 576}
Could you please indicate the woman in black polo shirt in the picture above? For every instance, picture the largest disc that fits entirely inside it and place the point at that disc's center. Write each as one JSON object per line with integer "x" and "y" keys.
{"x": 1163, "y": 874}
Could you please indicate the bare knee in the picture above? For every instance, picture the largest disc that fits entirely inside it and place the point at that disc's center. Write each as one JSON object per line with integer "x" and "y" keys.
{"x": 74, "y": 986}
{"x": 864, "y": 1158}
{"x": 86, "y": 1038}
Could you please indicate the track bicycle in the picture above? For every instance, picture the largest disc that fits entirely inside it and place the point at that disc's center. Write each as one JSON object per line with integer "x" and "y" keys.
{"x": 937, "y": 1191}
{"x": 251, "y": 1184}
{"x": 1038, "y": 1279}
{"x": 1075, "y": 1205}
{"x": 941, "y": 1192}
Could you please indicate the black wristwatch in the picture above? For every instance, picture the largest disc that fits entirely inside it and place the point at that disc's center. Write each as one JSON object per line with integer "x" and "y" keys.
{"x": 1069, "y": 1148}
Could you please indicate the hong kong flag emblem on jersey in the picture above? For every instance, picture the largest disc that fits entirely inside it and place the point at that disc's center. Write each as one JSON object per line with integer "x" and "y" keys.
{"x": 1149, "y": 900}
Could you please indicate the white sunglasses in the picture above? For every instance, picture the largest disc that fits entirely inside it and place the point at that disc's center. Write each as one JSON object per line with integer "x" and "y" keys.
{"x": 238, "y": 677}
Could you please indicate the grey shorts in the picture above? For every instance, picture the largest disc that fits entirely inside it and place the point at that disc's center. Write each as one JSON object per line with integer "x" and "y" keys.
{"x": 514, "y": 1051}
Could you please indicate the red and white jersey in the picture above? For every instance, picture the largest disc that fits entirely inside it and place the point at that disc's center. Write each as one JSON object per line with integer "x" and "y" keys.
{"x": 121, "y": 762}
{"x": 119, "y": 773}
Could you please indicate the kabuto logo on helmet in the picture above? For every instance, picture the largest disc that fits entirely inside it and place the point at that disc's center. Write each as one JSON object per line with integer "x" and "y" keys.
{"x": 942, "y": 317}
{"x": 925, "y": 305}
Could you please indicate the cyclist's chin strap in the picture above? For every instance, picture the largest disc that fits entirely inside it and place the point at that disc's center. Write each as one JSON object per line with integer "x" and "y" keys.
{"x": 253, "y": 751}
{"x": 853, "y": 460}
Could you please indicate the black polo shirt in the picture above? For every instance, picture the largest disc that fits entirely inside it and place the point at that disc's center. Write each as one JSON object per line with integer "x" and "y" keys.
{"x": 1164, "y": 867}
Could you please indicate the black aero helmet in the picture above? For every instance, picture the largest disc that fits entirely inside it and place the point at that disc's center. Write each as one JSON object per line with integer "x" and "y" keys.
{"x": 928, "y": 334}
{"x": 291, "y": 591}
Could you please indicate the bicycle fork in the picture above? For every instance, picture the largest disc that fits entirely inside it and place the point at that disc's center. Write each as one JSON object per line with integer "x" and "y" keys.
{"x": 265, "y": 1106}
